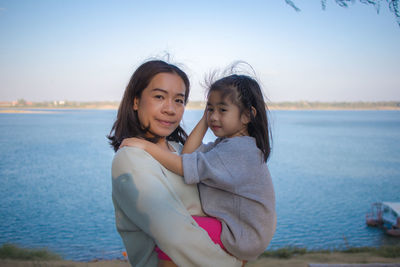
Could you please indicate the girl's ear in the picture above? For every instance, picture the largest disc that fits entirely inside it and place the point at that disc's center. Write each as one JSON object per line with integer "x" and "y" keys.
{"x": 135, "y": 103}
{"x": 245, "y": 118}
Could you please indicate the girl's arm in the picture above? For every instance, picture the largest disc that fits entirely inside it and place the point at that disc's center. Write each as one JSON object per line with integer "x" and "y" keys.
{"x": 169, "y": 160}
{"x": 196, "y": 136}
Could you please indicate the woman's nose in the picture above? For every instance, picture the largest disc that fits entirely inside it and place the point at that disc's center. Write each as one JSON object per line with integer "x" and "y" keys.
{"x": 169, "y": 107}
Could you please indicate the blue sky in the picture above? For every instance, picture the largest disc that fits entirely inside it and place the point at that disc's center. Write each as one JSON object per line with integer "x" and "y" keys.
{"x": 86, "y": 50}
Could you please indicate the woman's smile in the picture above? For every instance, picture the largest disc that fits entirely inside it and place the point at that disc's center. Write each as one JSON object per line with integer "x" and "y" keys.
{"x": 166, "y": 123}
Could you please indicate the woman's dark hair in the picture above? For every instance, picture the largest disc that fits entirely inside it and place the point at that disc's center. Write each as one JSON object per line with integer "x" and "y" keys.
{"x": 127, "y": 123}
{"x": 245, "y": 92}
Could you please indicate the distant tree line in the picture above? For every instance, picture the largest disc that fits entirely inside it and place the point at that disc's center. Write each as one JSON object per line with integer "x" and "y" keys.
{"x": 335, "y": 105}
{"x": 22, "y": 103}
{"x": 200, "y": 105}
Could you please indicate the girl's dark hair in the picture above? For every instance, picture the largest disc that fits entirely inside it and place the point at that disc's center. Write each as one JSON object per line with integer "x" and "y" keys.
{"x": 127, "y": 123}
{"x": 246, "y": 93}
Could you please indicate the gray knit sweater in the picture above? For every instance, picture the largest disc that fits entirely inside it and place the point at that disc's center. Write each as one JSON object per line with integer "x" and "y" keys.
{"x": 235, "y": 187}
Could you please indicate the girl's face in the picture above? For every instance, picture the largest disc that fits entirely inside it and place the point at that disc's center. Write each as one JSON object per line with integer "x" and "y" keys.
{"x": 161, "y": 105}
{"x": 224, "y": 118}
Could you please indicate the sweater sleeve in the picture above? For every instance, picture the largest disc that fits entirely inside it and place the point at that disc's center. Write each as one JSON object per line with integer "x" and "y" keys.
{"x": 211, "y": 167}
{"x": 148, "y": 210}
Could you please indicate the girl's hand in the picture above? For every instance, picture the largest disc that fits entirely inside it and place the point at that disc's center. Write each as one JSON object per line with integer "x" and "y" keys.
{"x": 134, "y": 142}
{"x": 204, "y": 117}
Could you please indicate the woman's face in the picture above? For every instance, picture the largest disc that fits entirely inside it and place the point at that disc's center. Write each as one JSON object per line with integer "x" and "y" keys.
{"x": 161, "y": 105}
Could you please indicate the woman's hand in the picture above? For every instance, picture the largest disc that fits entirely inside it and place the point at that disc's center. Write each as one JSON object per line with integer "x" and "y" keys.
{"x": 135, "y": 142}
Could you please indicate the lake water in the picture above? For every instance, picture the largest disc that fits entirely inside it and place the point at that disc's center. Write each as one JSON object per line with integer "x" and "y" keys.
{"x": 327, "y": 168}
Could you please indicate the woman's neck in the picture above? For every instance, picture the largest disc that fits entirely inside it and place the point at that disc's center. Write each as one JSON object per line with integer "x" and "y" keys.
{"x": 163, "y": 143}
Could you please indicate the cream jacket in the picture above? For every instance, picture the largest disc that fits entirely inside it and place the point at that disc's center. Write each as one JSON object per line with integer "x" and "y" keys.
{"x": 154, "y": 206}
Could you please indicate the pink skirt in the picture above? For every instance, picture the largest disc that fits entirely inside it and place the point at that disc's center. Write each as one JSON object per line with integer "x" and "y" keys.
{"x": 210, "y": 224}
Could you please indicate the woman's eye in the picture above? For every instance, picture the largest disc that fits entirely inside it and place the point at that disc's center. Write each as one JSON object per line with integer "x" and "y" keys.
{"x": 223, "y": 110}
{"x": 180, "y": 101}
{"x": 209, "y": 109}
{"x": 159, "y": 96}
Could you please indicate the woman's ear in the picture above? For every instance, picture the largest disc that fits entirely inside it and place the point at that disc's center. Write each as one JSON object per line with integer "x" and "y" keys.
{"x": 254, "y": 111}
{"x": 135, "y": 103}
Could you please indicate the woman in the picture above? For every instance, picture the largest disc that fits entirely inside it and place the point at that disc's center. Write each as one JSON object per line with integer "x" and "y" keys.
{"x": 152, "y": 204}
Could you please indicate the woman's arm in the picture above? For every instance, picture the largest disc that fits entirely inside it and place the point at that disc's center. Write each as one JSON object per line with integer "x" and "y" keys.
{"x": 169, "y": 160}
{"x": 196, "y": 136}
{"x": 146, "y": 201}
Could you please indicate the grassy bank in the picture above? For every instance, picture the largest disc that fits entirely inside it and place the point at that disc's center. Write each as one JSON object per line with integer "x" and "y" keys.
{"x": 11, "y": 255}
{"x": 10, "y": 251}
{"x": 301, "y": 257}
{"x": 288, "y": 252}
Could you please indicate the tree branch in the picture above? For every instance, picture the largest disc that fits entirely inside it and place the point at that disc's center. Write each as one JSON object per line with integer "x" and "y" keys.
{"x": 393, "y": 5}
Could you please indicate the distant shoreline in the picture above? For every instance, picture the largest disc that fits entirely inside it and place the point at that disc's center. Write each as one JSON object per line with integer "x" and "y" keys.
{"x": 55, "y": 106}
{"x": 25, "y": 111}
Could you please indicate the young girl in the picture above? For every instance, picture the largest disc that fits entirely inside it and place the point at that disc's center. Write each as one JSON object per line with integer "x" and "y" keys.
{"x": 235, "y": 185}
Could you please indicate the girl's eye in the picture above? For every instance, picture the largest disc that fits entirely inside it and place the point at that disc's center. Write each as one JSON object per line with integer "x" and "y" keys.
{"x": 180, "y": 101}
{"x": 223, "y": 110}
{"x": 209, "y": 109}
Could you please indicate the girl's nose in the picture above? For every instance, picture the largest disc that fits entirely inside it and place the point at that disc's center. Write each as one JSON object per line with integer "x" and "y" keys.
{"x": 213, "y": 116}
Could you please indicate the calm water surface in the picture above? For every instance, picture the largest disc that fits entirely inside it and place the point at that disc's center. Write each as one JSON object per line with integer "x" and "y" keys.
{"x": 327, "y": 168}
